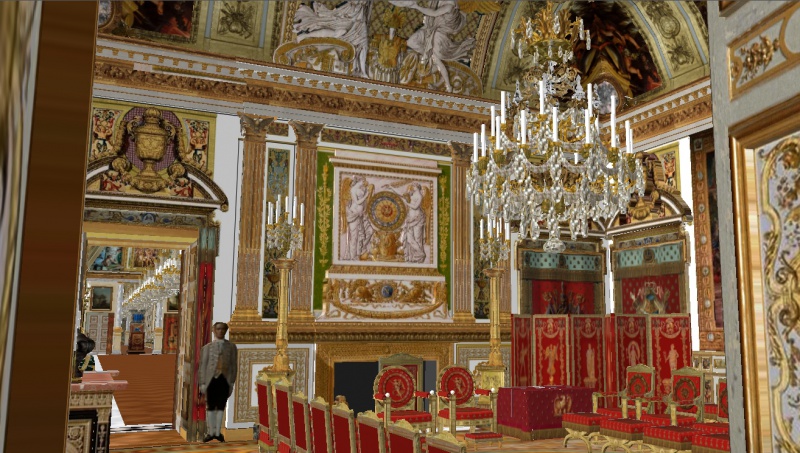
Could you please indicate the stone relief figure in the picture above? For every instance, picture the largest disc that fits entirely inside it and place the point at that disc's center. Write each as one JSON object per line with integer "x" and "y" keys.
{"x": 433, "y": 43}
{"x": 418, "y": 202}
{"x": 347, "y": 22}
{"x": 353, "y": 207}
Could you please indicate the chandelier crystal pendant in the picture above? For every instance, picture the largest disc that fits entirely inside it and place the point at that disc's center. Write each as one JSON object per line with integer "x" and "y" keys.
{"x": 543, "y": 163}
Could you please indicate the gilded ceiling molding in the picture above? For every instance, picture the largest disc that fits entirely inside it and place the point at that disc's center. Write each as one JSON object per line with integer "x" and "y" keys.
{"x": 344, "y": 137}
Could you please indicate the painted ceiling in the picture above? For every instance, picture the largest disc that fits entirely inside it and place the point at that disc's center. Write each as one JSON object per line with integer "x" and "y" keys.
{"x": 639, "y": 49}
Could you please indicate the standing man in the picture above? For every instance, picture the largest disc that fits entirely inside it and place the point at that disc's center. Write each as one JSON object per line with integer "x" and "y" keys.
{"x": 216, "y": 377}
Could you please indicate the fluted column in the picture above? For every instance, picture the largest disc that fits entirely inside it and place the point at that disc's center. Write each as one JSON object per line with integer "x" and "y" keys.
{"x": 251, "y": 223}
{"x": 305, "y": 189}
{"x": 461, "y": 228}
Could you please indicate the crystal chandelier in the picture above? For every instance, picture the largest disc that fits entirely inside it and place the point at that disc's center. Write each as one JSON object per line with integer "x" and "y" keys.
{"x": 549, "y": 167}
{"x": 159, "y": 284}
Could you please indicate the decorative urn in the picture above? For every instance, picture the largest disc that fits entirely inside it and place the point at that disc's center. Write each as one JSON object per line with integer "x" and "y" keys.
{"x": 152, "y": 136}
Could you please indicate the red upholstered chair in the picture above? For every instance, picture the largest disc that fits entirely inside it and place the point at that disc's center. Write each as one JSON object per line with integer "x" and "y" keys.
{"x": 457, "y": 390}
{"x": 403, "y": 438}
{"x": 445, "y": 443}
{"x": 399, "y": 384}
{"x": 721, "y": 425}
{"x": 266, "y": 415}
{"x": 302, "y": 424}
{"x": 344, "y": 429}
{"x": 371, "y": 433}
{"x": 321, "y": 435}
{"x": 622, "y": 433}
{"x": 685, "y": 401}
{"x": 639, "y": 388}
{"x": 284, "y": 411}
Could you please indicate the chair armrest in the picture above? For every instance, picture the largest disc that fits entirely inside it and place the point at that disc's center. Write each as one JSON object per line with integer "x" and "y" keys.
{"x": 422, "y": 394}
{"x": 483, "y": 392}
{"x": 605, "y": 394}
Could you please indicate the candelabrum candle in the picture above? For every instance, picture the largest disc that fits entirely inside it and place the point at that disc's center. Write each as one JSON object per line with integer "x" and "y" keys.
{"x": 483, "y": 140}
{"x": 294, "y": 208}
{"x": 503, "y": 107}
{"x": 302, "y": 214}
{"x": 586, "y": 115}
{"x": 613, "y": 121}
{"x": 492, "y": 116}
{"x": 286, "y": 209}
{"x": 523, "y": 126}
{"x": 497, "y": 137}
{"x": 475, "y": 147}
{"x": 589, "y": 97}
{"x": 628, "y": 135}
{"x": 481, "y": 228}
{"x": 541, "y": 97}
{"x": 555, "y": 124}
{"x": 278, "y": 206}
{"x": 508, "y": 230}
{"x": 269, "y": 213}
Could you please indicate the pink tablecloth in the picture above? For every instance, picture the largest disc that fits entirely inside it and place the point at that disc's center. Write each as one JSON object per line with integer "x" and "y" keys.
{"x": 530, "y": 413}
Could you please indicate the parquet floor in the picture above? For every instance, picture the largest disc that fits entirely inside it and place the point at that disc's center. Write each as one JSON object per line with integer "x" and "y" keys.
{"x": 151, "y": 386}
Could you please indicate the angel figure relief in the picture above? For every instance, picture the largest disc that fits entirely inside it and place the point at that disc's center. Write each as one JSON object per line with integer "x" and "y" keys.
{"x": 433, "y": 43}
{"x": 356, "y": 227}
{"x": 414, "y": 235}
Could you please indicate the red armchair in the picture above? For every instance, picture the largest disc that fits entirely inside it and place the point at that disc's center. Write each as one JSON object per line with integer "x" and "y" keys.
{"x": 321, "y": 435}
{"x": 445, "y": 443}
{"x": 371, "y": 433}
{"x": 395, "y": 397}
{"x": 685, "y": 401}
{"x": 344, "y": 429}
{"x": 403, "y": 438}
{"x": 639, "y": 387}
{"x": 302, "y": 424}
{"x": 266, "y": 415}
{"x": 721, "y": 425}
{"x": 457, "y": 390}
{"x": 284, "y": 414}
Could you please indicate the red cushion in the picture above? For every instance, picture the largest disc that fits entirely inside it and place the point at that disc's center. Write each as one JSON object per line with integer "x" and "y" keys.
{"x": 467, "y": 413}
{"x": 483, "y": 435}
{"x": 409, "y": 416}
{"x": 671, "y": 433}
{"x": 613, "y": 413}
{"x": 712, "y": 428}
{"x": 624, "y": 425}
{"x": 711, "y": 409}
{"x": 664, "y": 420}
{"x": 460, "y": 380}
{"x": 721, "y": 442}
{"x": 583, "y": 418}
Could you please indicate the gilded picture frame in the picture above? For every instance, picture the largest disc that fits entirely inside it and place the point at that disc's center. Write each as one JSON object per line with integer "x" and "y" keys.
{"x": 766, "y": 274}
{"x": 102, "y": 298}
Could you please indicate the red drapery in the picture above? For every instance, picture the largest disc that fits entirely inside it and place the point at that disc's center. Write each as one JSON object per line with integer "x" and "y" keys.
{"x": 551, "y": 350}
{"x": 652, "y": 293}
{"x": 587, "y": 351}
{"x": 672, "y": 348}
{"x": 521, "y": 351}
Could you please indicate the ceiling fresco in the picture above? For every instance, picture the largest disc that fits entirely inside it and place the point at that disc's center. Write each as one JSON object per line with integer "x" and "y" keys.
{"x": 640, "y": 49}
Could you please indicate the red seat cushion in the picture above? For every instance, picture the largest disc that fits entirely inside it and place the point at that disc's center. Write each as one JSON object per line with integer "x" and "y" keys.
{"x": 409, "y": 416}
{"x": 485, "y": 435}
{"x": 712, "y": 428}
{"x": 467, "y": 413}
{"x": 664, "y": 420}
{"x": 583, "y": 418}
{"x": 624, "y": 425}
{"x": 613, "y": 413}
{"x": 671, "y": 433}
{"x": 721, "y": 442}
{"x": 711, "y": 409}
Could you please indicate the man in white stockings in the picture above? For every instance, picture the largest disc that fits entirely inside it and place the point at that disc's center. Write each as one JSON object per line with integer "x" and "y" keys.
{"x": 216, "y": 377}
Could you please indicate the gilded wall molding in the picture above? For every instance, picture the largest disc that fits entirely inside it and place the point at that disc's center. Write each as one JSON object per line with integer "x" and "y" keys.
{"x": 764, "y": 51}
{"x": 246, "y": 412}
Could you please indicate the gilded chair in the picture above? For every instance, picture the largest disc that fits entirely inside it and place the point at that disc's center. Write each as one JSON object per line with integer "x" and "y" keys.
{"x": 457, "y": 390}
{"x": 302, "y": 424}
{"x": 284, "y": 411}
{"x": 403, "y": 438}
{"x": 721, "y": 424}
{"x": 395, "y": 397}
{"x": 413, "y": 364}
{"x": 445, "y": 443}
{"x": 371, "y": 433}
{"x": 321, "y": 435}
{"x": 266, "y": 415}
{"x": 685, "y": 401}
{"x": 639, "y": 388}
{"x": 344, "y": 429}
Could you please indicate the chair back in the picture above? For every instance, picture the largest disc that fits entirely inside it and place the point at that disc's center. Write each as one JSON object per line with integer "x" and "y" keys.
{"x": 403, "y": 438}
{"x": 399, "y": 384}
{"x": 639, "y": 381}
{"x": 371, "y": 436}
{"x": 413, "y": 364}
{"x": 321, "y": 436}
{"x": 302, "y": 424}
{"x": 266, "y": 412}
{"x": 458, "y": 379}
{"x": 284, "y": 412}
{"x": 344, "y": 429}
{"x": 687, "y": 392}
{"x": 722, "y": 400}
{"x": 445, "y": 443}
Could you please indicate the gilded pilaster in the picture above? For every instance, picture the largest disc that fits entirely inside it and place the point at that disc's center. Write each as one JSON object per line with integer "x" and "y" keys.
{"x": 505, "y": 290}
{"x": 251, "y": 223}
{"x": 462, "y": 234}
{"x": 304, "y": 189}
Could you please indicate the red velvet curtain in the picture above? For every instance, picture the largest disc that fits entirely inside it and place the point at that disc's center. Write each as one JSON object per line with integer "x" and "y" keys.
{"x": 545, "y": 291}
{"x": 562, "y": 297}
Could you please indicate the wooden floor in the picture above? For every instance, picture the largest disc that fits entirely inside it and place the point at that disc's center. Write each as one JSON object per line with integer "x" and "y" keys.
{"x": 151, "y": 386}
{"x": 146, "y": 439}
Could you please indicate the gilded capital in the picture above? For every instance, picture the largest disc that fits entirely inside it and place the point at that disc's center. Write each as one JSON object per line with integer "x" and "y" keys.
{"x": 307, "y": 133}
{"x": 460, "y": 153}
{"x": 254, "y": 127}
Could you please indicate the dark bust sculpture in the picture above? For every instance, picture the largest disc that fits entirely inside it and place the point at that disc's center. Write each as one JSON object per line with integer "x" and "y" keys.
{"x": 83, "y": 361}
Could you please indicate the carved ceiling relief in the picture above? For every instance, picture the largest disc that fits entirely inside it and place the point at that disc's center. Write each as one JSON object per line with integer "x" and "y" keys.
{"x": 149, "y": 151}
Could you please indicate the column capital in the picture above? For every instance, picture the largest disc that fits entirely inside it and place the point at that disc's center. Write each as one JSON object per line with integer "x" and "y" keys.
{"x": 307, "y": 133}
{"x": 254, "y": 127}
{"x": 460, "y": 153}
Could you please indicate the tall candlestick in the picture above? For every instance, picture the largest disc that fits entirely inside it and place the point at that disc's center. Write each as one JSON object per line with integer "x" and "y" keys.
{"x": 475, "y": 147}
{"x": 613, "y": 121}
{"x": 481, "y": 228}
{"x": 555, "y": 123}
{"x": 302, "y": 214}
{"x": 524, "y": 126}
{"x": 541, "y": 97}
{"x": 483, "y": 140}
{"x": 503, "y": 107}
{"x": 586, "y": 127}
{"x": 492, "y": 115}
{"x": 589, "y": 97}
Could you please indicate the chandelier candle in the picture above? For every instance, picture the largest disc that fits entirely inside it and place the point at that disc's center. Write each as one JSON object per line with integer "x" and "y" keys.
{"x": 523, "y": 126}
{"x": 475, "y": 147}
{"x": 555, "y": 124}
{"x": 497, "y": 137}
{"x": 483, "y": 140}
{"x": 541, "y": 97}
{"x": 587, "y": 114}
{"x": 503, "y": 107}
{"x": 589, "y": 97}
{"x": 628, "y": 136}
{"x": 613, "y": 121}
{"x": 494, "y": 128}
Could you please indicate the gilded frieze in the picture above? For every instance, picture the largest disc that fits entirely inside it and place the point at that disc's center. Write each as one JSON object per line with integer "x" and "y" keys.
{"x": 384, "y": 142}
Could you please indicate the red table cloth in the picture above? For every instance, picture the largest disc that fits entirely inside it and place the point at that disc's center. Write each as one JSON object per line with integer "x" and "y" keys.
{"x": 531, "y": 413}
